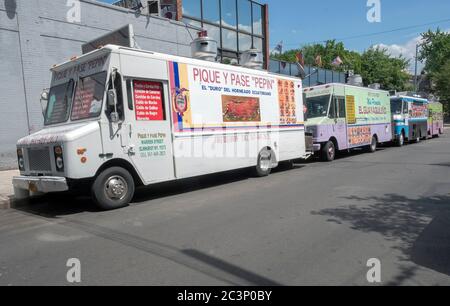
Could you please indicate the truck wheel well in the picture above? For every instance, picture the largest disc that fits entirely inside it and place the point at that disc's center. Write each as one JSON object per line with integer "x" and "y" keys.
{"x": 335, "y": 142}
{"x": 376, "y": 137}
{"x": 123, "y": 164}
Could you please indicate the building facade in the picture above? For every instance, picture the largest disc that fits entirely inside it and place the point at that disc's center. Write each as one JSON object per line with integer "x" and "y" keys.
{"x": 237, "y": 25}
{"x": 36, "y": 34}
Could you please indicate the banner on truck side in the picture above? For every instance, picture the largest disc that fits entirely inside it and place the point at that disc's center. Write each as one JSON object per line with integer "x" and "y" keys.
{"x": 212, "y": 99}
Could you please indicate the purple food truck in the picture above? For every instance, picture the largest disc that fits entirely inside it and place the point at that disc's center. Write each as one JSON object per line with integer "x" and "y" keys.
{"x": 343, "y": 117}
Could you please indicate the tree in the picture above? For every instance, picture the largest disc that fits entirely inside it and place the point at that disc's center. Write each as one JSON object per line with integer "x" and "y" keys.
{"x": 435, "y": 52}
{"x": 375, "y": 64}
{"x": 380, "y": 67}
{"x": 442, "y": 85}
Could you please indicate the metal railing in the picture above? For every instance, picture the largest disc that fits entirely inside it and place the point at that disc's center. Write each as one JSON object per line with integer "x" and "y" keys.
{"x": 315, "y": 76}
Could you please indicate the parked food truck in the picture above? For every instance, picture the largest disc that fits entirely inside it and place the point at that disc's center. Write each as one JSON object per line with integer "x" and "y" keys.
{"x": 343, "y": 117}
{"x": 435, "y": 119}
{"x": 409, "y": 119}
{"x": 119, "y": 117}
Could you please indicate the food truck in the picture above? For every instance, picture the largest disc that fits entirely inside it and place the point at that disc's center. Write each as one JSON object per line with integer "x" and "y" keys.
{"x": 409, "y": 119}
{"x": 343, "y": 117}
{"x": 435, "y": 119}
{"x": 119, "y": 117}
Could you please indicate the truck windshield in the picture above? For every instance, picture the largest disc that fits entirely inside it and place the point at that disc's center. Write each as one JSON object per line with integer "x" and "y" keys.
{"x": 88, "y": 98}
{"x": 396, "y": 107}
{"x": 59, "y": 101}
{"x": 317, "y": 106}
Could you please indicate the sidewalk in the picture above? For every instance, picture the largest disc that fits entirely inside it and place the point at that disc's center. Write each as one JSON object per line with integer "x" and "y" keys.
{"x": 6, "y": 188}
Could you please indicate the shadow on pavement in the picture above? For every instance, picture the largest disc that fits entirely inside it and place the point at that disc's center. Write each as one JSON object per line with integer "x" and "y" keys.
{"x": 66, "y": 203}
{"x": 405, "y": 220}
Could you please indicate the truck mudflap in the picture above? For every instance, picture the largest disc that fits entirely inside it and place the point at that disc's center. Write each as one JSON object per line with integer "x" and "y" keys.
{"x": 40, "y": 184}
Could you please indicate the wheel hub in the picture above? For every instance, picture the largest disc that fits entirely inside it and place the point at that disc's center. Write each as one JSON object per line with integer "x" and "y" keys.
{"x": 116, "y": 188}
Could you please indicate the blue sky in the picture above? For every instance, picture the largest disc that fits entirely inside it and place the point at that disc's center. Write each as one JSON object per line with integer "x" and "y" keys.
{"x": 296, "y": 22}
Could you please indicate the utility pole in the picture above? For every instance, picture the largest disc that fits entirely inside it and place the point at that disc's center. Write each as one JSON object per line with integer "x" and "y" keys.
{"x": 415, "y": 74}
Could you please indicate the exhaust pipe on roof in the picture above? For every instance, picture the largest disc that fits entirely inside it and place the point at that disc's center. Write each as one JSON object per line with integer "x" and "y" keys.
{"x": 204, "y": 47}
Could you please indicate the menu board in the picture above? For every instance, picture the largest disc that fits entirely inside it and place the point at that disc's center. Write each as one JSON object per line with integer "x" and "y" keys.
{"x": 351, "y": 110}
{"x": 148, "y": 100}
{"x": 286, "y": 96}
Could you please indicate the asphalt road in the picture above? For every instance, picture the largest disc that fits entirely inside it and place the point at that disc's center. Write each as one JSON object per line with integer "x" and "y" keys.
{"x": 317, "y": 224}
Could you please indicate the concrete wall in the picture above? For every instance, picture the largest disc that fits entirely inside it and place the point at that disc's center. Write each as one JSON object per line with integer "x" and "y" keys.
{"x": 35, "y": 34}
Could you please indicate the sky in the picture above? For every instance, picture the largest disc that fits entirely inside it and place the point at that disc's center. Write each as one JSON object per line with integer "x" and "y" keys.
{"x": 299, "y": 22}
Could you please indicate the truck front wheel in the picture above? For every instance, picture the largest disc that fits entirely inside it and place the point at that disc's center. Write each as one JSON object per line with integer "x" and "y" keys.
{"x": 328, "y": 153}
{"x": 401, "y": 140}
{"x": 113, "y": 188}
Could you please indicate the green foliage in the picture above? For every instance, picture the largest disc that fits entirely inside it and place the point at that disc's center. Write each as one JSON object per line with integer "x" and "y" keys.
{"x": 379, "y": 67}
{"x": 442, "y": 84}
{"x": 375, "y": 64}
{"x": 435, "y": 52}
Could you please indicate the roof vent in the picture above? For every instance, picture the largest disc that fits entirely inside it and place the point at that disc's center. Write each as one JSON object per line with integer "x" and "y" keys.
{"x": 355, "y": 80}
{"x": 253, "y": 59}
{"x": 204, "y": 47}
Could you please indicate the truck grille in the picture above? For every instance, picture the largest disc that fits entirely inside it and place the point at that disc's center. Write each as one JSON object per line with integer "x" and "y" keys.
{"x": 39, "y": 159}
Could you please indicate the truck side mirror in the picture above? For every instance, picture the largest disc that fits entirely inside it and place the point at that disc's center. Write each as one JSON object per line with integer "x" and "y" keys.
{"x": 112, "y": 98}
{"x": 44, "y": 101}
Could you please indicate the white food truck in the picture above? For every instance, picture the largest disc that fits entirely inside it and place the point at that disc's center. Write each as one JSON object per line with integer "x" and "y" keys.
{"x": 119, "y": 117}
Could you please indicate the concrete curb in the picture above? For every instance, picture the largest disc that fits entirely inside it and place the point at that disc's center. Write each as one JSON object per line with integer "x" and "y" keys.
{"x": 9, "y": 202}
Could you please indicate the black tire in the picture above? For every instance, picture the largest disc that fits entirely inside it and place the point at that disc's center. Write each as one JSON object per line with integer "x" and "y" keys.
{"x": 400, "y": 142}
{"x": 113, "y": 188}
{"x": 328, "y": 152}
{"x": 372, "y": 148}
{"x": 263, "y": 166}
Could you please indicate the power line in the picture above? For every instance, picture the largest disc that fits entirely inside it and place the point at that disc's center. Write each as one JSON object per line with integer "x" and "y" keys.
{"x": 375, "y": 33}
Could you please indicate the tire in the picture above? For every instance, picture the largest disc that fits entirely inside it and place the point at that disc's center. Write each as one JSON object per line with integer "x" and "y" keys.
{"x": 328, "y": 152}
{"x": 263, "y": 166}
{"x": 372, "y": 148}
{"x": 400, "y": 142}
{"x": 104, "y": 194}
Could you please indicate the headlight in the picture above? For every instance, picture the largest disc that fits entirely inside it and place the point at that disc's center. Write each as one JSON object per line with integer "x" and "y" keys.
{"x": 20, "y": 160}
{"x": 59, "y": 160}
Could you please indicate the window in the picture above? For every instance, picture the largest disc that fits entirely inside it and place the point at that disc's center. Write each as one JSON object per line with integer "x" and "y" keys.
{"x": 341, "y": 103}
{"x": 258, "y": 43}
{"x": 245, "y": 15}
{"x": 229, "y": 40}
{"x": 229, "y": 13}
{"x": 130, "y": 95}
{"x": 333, "y": 109}
{"x": 192, "y": 22}
{"x": 245, "y": 42}
{"x": 59, "y": 102}
{"x": 88, "y": 99}
{"x": 257, "y": 19}
{"x": 192, "y": 8}
{"x": 213, "y": 32}
{"x": 211, "y": 11}
{"x": 405, "y": 108}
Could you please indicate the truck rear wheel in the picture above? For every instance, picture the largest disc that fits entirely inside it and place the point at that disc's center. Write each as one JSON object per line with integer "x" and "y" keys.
{"x": 373, "y": 145}
{"x": 113, "y": 188}
{"x": 264, "y": 165}
{"x": 328, "y": 153}
{"x": 401, "y": 140}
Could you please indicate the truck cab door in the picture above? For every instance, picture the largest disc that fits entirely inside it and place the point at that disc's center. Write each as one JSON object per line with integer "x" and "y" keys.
{"x": 148, "y": 133}
{"x": 338, "y": 114}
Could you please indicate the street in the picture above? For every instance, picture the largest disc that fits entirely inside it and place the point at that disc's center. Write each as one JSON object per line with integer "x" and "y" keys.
{"x": 316, "y": 224}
